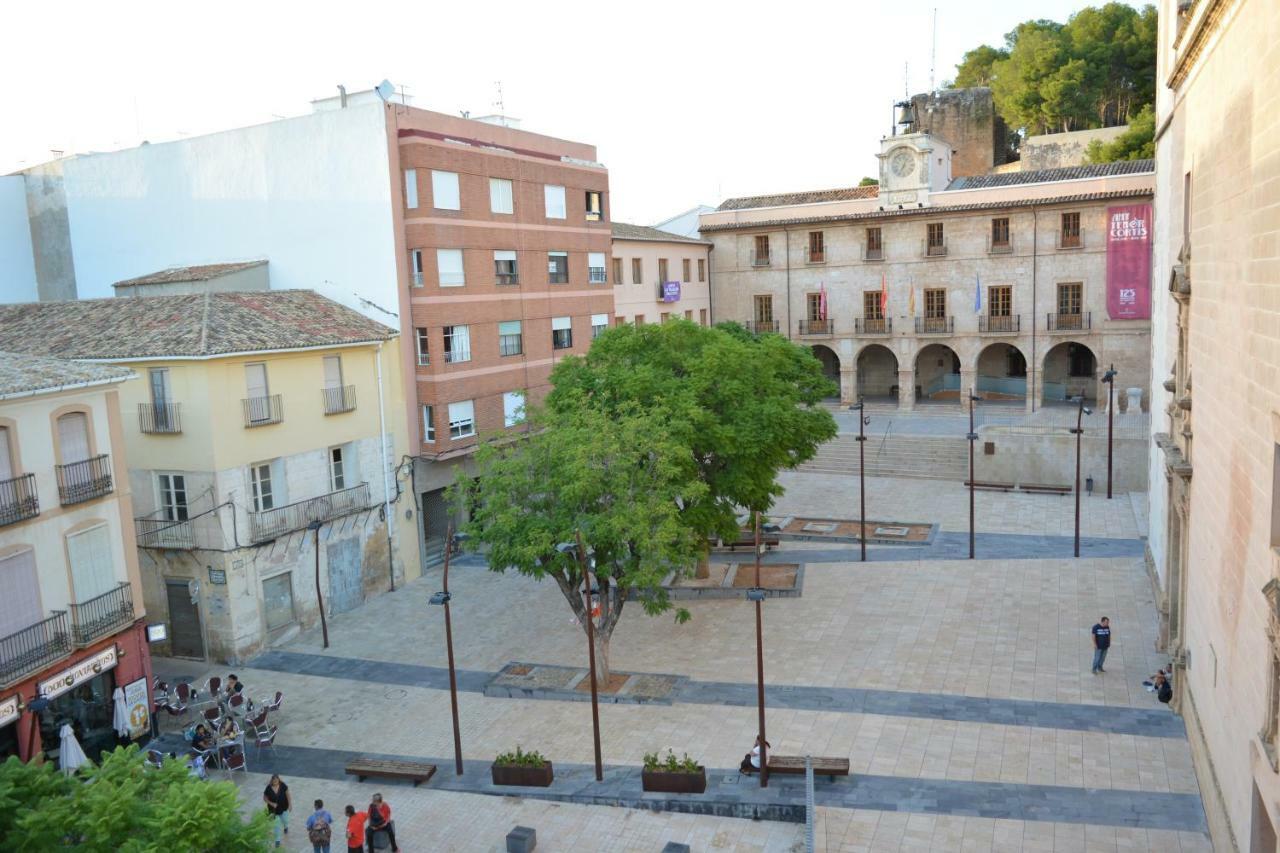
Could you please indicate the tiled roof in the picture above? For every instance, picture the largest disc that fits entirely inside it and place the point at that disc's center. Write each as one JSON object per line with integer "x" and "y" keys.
{"x": 623, "y": 231}
{"x": 25, "y": 374}
{"x": 186, "y": 325}
{"x": 811, "y": 197}
{"x": 1040, "y": 176}
{"x": 204, "y": 272}
{"x": 926, "y": 211}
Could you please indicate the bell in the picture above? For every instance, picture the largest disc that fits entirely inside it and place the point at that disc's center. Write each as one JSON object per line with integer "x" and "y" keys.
{"x": 906, "y": 114}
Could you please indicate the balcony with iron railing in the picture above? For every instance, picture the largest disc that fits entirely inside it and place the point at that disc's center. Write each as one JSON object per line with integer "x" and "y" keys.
{"x": 815, "y": 256}
{"x": 18, "y": 499}
{"x": 1006, "y": 325}
{"x": 999, "y": 247}
{"x": 158, "y": 531}
{"x": 102, "y": 615}
{"x": 1076, "y": 322}
{"x": 85, "y": 480}
{"x": 274, "y": 523}
{"x": 416, "y": 277}
{"x": 873, "y": 325}
{"x": 340, "y": 399}
{"x": 34, "y": 647}
{"x": 1070, "y": 241}
{"x": 261, "y": 411}
{"x": 760, "y": 327}
{"x": 816, "y": 327}
{"x": 160, "y": 418}
{"x": 935, "y": 249}
{"x": 935, "y": 325}
{"x": 873, "y": 253}
{"x": 760, "y": 259}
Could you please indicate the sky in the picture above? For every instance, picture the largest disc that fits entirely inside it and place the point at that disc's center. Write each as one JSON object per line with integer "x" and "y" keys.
{"x": 687, "y": 103}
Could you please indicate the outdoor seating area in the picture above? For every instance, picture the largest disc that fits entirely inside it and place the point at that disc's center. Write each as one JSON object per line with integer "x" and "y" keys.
{"x": 217, "y": 722}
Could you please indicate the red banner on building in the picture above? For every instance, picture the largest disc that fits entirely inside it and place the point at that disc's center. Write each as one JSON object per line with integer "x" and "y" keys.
{"x": 1129, "y": 262}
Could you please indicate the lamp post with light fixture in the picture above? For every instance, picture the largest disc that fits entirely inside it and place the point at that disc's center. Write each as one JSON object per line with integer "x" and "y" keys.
{"x": 863, "y": 420}
{"x": 1110, "y": 378}
{"x": 314, "y": 527}
{"x": 1079, "y": 430}
{"x": 442, "y": 598}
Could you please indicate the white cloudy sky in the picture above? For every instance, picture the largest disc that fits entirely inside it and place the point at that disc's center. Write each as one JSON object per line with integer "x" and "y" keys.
{"x": 687, "y": 102}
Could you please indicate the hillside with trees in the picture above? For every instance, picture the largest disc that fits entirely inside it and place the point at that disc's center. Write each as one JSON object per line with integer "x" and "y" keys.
{"x": 1096, "y": 70}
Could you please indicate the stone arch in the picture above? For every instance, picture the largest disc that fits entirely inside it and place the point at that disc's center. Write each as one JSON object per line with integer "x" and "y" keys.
{"x": 937, "y": 373}
{"x": 1000, "y": 373}
{"x": 830, "y": 362}
{"x": 877, "y": 368}
{"x": 1069, "y": 369}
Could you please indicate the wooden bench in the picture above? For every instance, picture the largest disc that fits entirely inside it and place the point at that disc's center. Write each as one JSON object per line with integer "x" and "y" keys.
{"x": 991, "y": 487}
{"x": 794, "y": 764}
{"x": 418, "y": 771}
{"x": 748, "y": 541}
{"x": 1041, "y": 488}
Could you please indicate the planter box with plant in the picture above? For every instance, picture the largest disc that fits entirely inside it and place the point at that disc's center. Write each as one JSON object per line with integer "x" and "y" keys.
{"x": 522, "y": 768}
{"x": 673, "y": 775}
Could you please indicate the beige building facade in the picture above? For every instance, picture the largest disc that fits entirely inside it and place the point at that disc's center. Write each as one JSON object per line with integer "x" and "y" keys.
{"x": 658, "y": 276}
{"x": 1215, "y": 466}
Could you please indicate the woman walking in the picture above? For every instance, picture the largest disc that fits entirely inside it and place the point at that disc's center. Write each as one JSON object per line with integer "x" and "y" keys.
{"x": 276, "y": 796}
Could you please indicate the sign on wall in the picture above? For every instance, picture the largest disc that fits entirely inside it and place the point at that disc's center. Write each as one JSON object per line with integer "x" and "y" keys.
{"x": 81, "y": 672}
{"x": 671, "y": 291}
{"x": 137, "y": 707}
{"x": 9, "y": 710}
{"x": 1129, "y": 262}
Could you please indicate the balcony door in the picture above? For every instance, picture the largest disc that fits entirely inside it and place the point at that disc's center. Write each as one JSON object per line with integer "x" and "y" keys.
{"x": 173, "y": 496}
{"x": 332, "y": 371}
{"x": 92, "y": 570}
{"x": 255, "y": 377}
{"x": 6, "y": 459}
{"x": 73, "y": 437}
{"x": 160, "y": 396}
{"x": 20, "y": 604}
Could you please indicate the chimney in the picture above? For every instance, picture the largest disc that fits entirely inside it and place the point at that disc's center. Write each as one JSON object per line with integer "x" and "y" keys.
{"x": 342, "y": 96}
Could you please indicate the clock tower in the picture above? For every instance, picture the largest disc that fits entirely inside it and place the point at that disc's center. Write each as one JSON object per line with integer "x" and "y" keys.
{"x": 911, "y": 166}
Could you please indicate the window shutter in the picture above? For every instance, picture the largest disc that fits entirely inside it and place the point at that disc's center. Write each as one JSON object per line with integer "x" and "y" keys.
{"x": 561, "y": 323}
{"x": 444, "y": 191}
{"x": 595, "y": 259}
{"x": 73, "y": 437}
{"x": 255, "y": 376}
{"x": 509, "y": 327}
{"x": 92, "y": 572}
{"x": 20, "y": 604}
{"x": 332, "y": 371}
{"x": 504, "y": 256}
{"x": 554, "y": 201}
{"x": 6, "y": 462}
{"x": 449, "y": 264}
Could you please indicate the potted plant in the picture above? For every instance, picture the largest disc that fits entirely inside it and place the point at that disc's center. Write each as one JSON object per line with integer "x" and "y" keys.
{"x": 673, "y": 775}
{"x": 522, "y": 768}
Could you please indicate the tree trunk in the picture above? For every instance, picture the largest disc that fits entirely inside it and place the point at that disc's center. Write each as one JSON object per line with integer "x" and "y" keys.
{"x": 602, "y": 657}
{"x": 703, "y": 570}
{"x": 611, "y": 610}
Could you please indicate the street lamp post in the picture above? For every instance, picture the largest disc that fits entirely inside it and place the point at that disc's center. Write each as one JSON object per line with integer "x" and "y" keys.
{"x": 863, "y": 420}
{"x": 973, "y": 438}
{"x": 565, "y": 548}
{"x": 756, "y": 594}
{"x": 314, "y": 527}
{"x": 444, "y": 597}
{"x": 1079, "y": 430}
{"x": 1110, "y": 378}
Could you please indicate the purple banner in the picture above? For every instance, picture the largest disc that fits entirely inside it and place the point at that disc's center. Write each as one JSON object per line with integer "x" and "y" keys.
{"x": 671, "y": 291}
{"x": 1129, "y": 262}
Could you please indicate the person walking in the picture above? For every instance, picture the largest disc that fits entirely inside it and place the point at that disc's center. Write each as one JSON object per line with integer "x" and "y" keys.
{"x": 278, "y": 799}
{"x": 381, "y": 822}
{"x": 1101, "y": 642}
{"x": 320, "y": 828}
{"x": 355, "y": 829}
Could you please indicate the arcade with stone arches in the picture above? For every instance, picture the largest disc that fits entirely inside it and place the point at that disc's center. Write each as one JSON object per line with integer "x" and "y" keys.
{"x": 830, "y": 362}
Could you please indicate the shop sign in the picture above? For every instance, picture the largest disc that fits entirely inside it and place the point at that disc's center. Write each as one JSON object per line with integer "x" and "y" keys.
{"x": 9, "y": 710}
{"x": 84, "y": 671}
{"x": 137, "y": 707}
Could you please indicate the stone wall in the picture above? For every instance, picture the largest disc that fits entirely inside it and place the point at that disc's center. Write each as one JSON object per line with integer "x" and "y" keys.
{"x": 1022, "y": 455}
{"x": 1058, "y": 150}
{"x": 967, "y": 119}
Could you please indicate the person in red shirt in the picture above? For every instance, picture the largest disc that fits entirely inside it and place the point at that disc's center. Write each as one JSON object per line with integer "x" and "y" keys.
{"x": 381, "y": 822}
{"x": 355, "y": 830}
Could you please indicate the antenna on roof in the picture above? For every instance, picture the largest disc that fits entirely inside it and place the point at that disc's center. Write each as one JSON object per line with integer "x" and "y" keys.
{"x": 933, "y": 56}
{"x": 498, "y": 104}
{"x": 384, "y": 90}
{"x": 906, "y": 80}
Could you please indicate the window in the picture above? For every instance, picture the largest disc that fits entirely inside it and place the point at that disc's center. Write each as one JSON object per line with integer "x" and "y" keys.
{"x": 428, "y": 424}
{"x": 760, "y": 255}
{"x": 510, "y": 338}
{"x": 1070, "y": 237}
{"x": 619, "y": 320}
{"x": 158, "y": 379}
{"x": 1080, "y": 361}
{"x": 1000, "y": 301}
{"x": 1069, "y": 298}
{"x": 411, "y": 188}
{"x": 617, "y": 270}
{"x": 664, "y": 316}
{"x": 817, "y": 248}
{"x": 662, "y": 269}
{"x": 500, "y": 200}
{"x": 637, "y": 270}
{"x": 871, "y": 307}
{"x": 935, "y": 303}
{"x": 337, "y": 479}
{"x": 173, "y": 496}
{"x": 457, "y": 344}
{"x": 1000, "y": 233}
{"x": 599, "y": 322}
{"x": 937, "y": 244}
{"x": 702, "y": 314}
{"x": 259, "y": 400}
{"x": 595, "y": 205}
{"x": 93, "y": 571}
{"x": 332, "y": 371}
{"x": 813, "y": 307}
{"x": 684, "y": 270}
{"x": 415, "y": 267}
{"x": 7, "y": 467}
{"x": 554, "y": 199}
{"x": 596, "y": 268}
{"x": 260, "y": 483}
{"x": 639, "y": 320}
{"x": 558, "y": 267}
{"x": 424, "y": 348}
{"x": 20, "y": 604}
{"x": 874, "y": 250}
{"x": 702, "y": 269}
{"x": 688, "y": 315}
{"x": 561, "y": 332}
{"x": 444, "y": 191}
{"x": 513, "y": 408}
{"x": 505, "y": 267}
{"x": 462, "y": 419}
{"x": 764, "y": 309}
{"x": 73, "y": 437}
{"x": 449, "y": 264}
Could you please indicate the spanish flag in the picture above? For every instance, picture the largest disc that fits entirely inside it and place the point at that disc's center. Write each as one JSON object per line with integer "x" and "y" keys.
{"x": 884, "y": 297}
{"x": 911, "y": 300}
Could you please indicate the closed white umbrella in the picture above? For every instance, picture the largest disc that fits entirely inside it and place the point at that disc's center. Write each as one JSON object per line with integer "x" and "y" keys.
{"x": 70, "y": 755}
{"x": 120, "y": 721}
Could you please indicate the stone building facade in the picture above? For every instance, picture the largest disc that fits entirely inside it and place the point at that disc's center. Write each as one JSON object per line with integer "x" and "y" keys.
{"x": 1215, "y": 465}
{"x": 658, "y": 275}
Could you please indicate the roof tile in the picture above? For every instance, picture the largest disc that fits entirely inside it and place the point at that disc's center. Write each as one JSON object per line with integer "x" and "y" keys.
{"x": 24, "y": 374}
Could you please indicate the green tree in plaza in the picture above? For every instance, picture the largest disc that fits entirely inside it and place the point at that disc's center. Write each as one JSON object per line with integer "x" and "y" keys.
{"x": 648, "y": 445}
{"x": 123, "y": 805}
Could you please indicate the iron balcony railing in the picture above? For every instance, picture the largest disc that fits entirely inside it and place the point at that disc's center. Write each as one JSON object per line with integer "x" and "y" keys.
{"x": 163, "y": 534}
{"x": 873, "y": 325}
{"x": 84, "y": 481}
{"x": 417, "y": 278}
{"x": 102, "y": 615}
{"x": 274, "y": 523}
{"x": 34, "y": 647}
{"x": 875, "y": 253}
{"x": 935, "y": 250}
{"x": 18, "y": 499}
{"x": 815, "y": 256}
{"x": 339, "y": 400}
{"x": 760, "y": 327}
{"x": 935, "y": 325}
{"x": 760, "y": 259}
{"x": 260, "y": 411}
{"x": 453, "y": 356}
{"x": 160, "y": 417}
{"x": 597, "y": 275}
{"x": 507, "y": 277}
{"x": 815, "y": 327}
{"x": 999, "y": 247}
{"x": 1070, "y": 241}
{"x": 1069, "y": 322}
{"x": 999, "y": 324}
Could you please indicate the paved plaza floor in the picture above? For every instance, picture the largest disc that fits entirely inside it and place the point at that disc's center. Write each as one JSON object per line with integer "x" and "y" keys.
{"x": 959, "y": 691}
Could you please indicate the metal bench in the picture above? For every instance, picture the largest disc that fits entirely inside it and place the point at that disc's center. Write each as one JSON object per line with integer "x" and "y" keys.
{"x": 983, "y": 486}
{"x": 417, "y": 771}
{"x": 794, "y": 764}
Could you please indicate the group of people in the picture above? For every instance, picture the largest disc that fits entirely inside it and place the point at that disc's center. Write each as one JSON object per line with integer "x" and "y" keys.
{"x": 1160, "y": 684}
{"x": 361, "y": 827}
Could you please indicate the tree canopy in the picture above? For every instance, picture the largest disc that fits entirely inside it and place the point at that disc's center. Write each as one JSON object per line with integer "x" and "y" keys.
{"x": 1136, "y": 143}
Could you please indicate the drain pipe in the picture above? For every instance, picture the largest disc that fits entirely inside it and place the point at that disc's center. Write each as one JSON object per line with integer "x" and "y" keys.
{"x": 1035, "y": 253}
{"x": 386, "y": 484}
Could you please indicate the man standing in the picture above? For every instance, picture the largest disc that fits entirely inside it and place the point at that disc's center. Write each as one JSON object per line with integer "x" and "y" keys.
{"x": 1101, "y": 642}
{"x": 355, "y": 829}
{"x": 320, "y": 828}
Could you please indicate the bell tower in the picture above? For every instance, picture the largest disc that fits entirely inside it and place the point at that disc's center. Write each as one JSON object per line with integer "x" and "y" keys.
{"x": 912, "y": 165}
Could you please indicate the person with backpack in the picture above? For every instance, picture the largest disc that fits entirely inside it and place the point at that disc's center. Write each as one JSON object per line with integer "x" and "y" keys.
{"x": 320, "y": 828}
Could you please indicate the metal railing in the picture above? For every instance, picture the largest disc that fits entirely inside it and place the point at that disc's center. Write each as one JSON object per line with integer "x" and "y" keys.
{"x": 453, "y": 356}
{"x": 760, "y": 259}
{"x": 1070, "y": 241}
{"x": 1000, "y": 324}
{"x": 260, "y": 411}
{"x": 873, "y": 325}
{"x": 273, "y": 523}
{"x": 935, "y": 250}
{"x": 507, "y": 277}
{"x": 84, "y": 481}
{"x": 18, "y": 499}
{"x": 999, "y": 247}
{"x": 816, "y": 327}
{"x": 160, "y": 417}
{"x": 416, "y": 277}
{"x": 760, "y": 327}
{"x": 597, "y": 275}
{"x": 339, "y": 400}
{"x": 165, "y": 534}
{"x": 815, "y": 257}
{"x": 102, "y": 615}
{"x": 935, "y": 325}
{"x": 876, "y": 254}
{"x": 1069, "y": 322}
{"x": 34, "y": 647}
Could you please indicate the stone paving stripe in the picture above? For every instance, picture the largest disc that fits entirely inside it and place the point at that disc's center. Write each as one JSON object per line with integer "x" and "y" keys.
{"x": 1109, "y": 719}
{"x": 952, "y": 545}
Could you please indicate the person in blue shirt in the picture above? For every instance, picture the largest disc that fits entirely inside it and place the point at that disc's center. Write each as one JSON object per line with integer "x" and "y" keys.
{"x": 1101, "y": 642}
{"x": 320, "y": 828}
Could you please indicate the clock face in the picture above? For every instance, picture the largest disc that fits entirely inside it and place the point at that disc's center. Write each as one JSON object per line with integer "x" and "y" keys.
{"x": 903, "y": 163}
